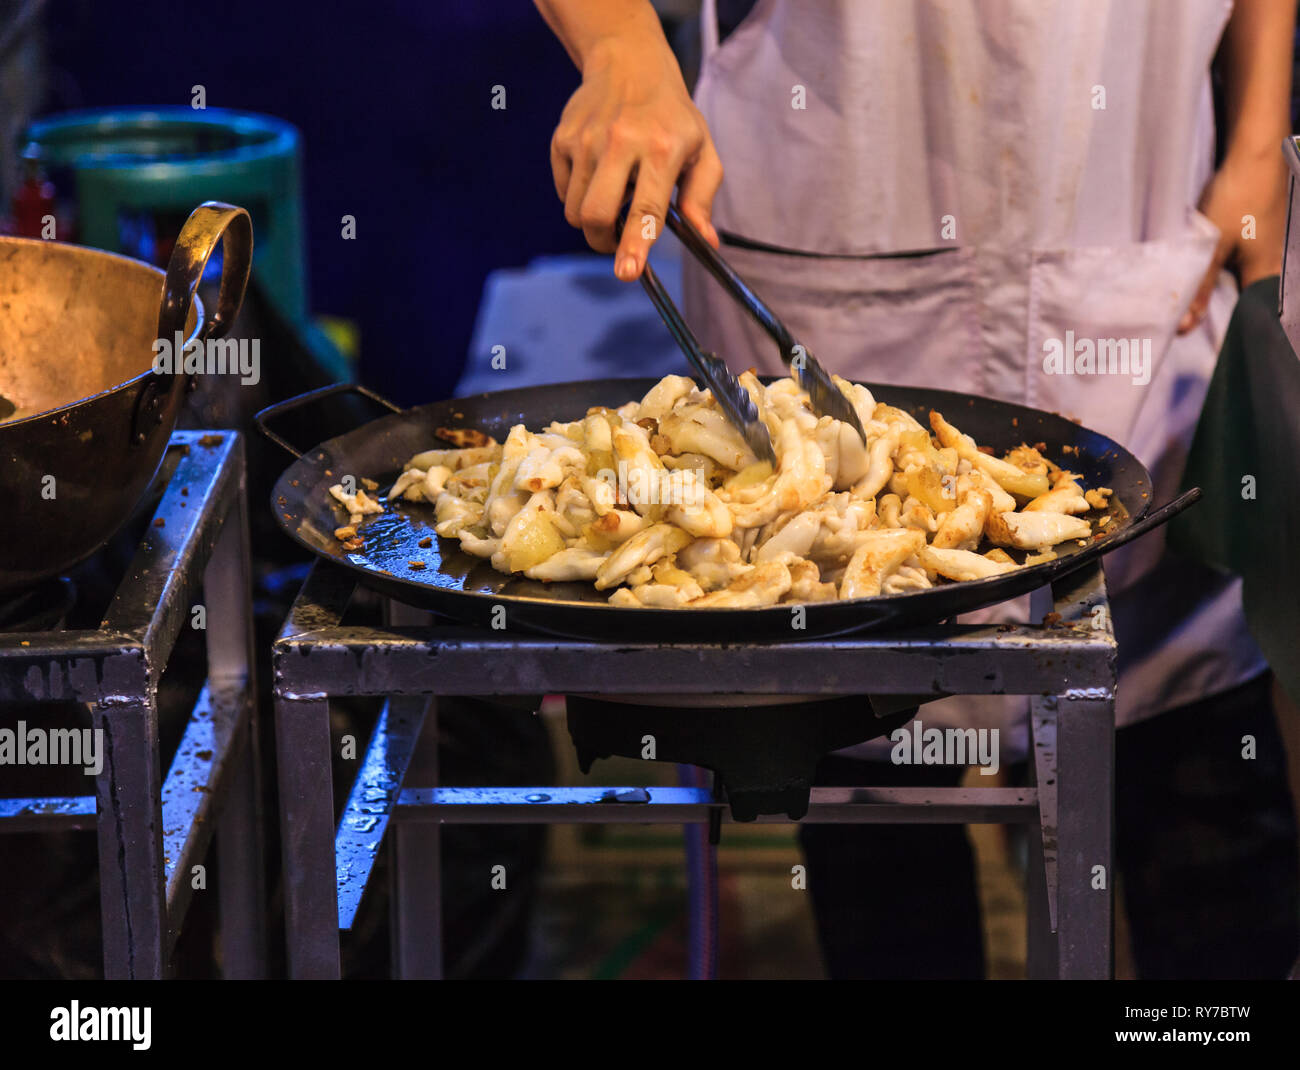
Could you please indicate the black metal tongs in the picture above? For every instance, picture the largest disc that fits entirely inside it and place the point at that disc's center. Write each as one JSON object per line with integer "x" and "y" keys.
{"x": 824, "y": 396}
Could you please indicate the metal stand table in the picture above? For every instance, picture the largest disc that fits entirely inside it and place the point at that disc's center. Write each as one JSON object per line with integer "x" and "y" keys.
{"x": 151, "y": 830}
{"x": 1068, "y": 669}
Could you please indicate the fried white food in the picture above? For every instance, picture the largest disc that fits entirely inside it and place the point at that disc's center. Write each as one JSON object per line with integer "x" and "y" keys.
{"x": 713, "y": 563}
{"x": 962, "y": 565}
{"x": 1066, "y": 496}
{"x": 662, "y": 503}
{"x": 878, "y": 555}
{"x": 644, "y": 548}
{"x": 1010, "y": 477}
{"x": 961, "y": 528}
{"x": 571, "y": 563}
{"x": 763, "y": 585}
{"x": 1035, "y": 531}
{"x": 358, "y": 503}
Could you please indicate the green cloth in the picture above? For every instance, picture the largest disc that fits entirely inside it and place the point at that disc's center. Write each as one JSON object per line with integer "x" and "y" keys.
{"x": 1250, "y": 427}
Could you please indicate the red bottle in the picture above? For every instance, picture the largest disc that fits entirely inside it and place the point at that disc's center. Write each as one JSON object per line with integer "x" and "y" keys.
{"x": 33, "y": 201}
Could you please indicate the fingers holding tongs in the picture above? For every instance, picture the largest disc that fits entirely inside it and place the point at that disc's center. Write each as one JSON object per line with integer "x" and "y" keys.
{"x": 824, "y": 396}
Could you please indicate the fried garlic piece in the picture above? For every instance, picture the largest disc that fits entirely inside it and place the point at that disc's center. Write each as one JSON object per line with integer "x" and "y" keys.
{"x": 1099, "y": 497}
{"x": 358, "y": 504}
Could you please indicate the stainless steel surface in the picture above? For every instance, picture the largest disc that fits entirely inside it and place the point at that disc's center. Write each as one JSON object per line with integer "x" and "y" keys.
{"x": 47, "y": 814}
{"x": 943, "y": 660}
{"x": 302, "y": 746}
{"x": 241, "y": 878}
{"x": 133, "y": 903}
{"x": 1042, "y": 737}
{"x": 662, "y": 806}
{"x": 416, "y": 850}
{"x": 1085, "y": 738}
{"x": 366, "y": 812}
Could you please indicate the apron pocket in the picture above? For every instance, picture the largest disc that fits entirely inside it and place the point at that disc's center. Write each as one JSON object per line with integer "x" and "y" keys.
{"x": 1100, "y": 323}
{"x": 907, "y": 320}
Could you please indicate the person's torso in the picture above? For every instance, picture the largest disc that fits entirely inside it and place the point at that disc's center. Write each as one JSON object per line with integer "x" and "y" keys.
{"x": 887, "y": 125}
{"x": 1044, "y": 160}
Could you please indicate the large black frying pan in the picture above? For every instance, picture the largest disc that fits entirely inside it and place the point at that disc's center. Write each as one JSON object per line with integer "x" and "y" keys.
{"x": 467, "y": 588}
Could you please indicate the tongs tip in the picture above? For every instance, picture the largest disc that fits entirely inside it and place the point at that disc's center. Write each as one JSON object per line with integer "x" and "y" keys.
{"x": 825, "y": 397}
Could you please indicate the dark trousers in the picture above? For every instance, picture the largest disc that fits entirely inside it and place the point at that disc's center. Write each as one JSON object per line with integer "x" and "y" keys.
{"x": 1205, "y": 844}
{"x": 893, "y": 901}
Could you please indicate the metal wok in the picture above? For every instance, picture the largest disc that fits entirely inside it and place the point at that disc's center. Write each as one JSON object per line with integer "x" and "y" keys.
{"x": 467, "y": 588}
{"x": 86, "y": 419}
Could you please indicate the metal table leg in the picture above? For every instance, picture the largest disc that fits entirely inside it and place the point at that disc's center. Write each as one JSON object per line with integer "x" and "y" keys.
{"x": 1041, "y": 872}
{"x": 132, "y": 888}
{"x": 1085, "y": 758}
{"x": 416, "y": 855}
{"x": 227, "y": 594}
{"x": 302, "y": 742}
{"x": 416, "y": 849}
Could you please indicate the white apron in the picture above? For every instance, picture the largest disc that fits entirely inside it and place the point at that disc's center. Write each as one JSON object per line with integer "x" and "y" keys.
{"x": 1049, "y": 155}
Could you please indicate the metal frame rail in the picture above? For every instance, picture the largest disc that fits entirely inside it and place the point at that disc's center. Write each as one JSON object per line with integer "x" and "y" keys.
{"x": 152, "y": 830}
{"x": 1067, "y": 668}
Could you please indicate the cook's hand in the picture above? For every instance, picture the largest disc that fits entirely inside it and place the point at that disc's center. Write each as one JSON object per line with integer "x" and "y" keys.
{"x": 1239, "y": 190}
{"x": 632, "y": 121}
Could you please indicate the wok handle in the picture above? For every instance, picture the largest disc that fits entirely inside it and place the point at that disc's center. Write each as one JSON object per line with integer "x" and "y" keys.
{"x": 280, "y": 408}
{"x": 209, "y": 222}
{"x": 1161, "y": 515}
